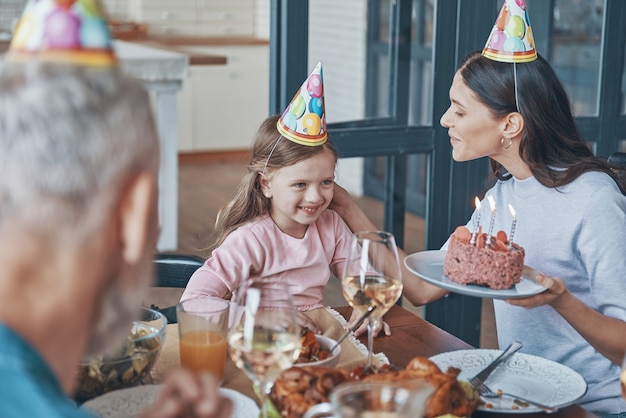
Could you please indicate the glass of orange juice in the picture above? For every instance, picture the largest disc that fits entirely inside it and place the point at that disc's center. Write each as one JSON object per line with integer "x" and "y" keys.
{"x": 202, "y": 330}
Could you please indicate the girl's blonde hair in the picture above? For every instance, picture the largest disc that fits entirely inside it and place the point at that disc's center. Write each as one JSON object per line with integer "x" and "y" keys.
{"x": 270, "y": 151}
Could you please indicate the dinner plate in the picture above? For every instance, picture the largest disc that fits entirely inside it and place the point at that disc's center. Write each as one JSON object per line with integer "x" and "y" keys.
{"x": 531, "y": 377}
{"x": 128, "y": 403}
{"x": 428, "y": 265}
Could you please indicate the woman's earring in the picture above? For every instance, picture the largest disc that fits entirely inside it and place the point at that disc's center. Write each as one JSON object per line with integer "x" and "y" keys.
{"x": 508, "y": 145}
{"x": 268, "y": 195}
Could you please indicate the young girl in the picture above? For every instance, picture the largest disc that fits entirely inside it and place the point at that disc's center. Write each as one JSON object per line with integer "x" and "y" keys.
{"x": 278, "y": 226}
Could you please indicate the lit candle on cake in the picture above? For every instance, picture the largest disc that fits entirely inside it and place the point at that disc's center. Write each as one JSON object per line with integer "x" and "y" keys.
{"x": 492, "y": 205}
{"x": 514, "y": 215}
{"x": 477, "y": 223}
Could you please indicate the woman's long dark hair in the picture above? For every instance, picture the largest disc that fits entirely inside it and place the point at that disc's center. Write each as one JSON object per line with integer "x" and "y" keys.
{"x": 551, "y": 145}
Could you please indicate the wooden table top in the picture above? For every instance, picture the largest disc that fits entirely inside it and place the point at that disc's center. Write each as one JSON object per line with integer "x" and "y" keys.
{"x": 412, "y": 336}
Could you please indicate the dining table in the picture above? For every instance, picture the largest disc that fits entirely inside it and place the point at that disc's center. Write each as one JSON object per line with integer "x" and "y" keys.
{"x": 411, "y": 336}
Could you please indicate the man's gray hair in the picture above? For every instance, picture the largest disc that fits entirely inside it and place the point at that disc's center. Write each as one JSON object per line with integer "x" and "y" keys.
{"x": 70, "y": 138}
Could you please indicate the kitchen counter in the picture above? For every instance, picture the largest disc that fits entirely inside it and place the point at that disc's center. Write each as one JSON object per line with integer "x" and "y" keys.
{"x": 182, "y": 45}
{"x": 206, "y": 41}
{"x": 195, "y": 58}
{"x": 167, "y": 44}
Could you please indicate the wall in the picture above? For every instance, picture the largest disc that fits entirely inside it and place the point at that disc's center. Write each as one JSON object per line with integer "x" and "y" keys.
{"x": 10, "y": 11}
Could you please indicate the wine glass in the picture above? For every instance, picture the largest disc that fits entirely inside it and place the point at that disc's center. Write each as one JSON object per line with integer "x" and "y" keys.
{"x": 264, "y": 338}
{"x": 372, "y": 278}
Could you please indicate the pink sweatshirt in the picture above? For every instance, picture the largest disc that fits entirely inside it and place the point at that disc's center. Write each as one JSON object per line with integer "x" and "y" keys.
{"x": 260, "y": 249}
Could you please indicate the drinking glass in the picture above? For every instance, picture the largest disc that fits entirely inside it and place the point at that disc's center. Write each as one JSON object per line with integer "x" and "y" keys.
{"x": 264, "y": 339}
{"x": 372, "y": 278}
{"x": 202, "y": 329}
{"x": 375, "y": 399}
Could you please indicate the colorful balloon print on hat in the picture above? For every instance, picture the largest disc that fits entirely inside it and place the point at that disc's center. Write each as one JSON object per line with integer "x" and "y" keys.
{"x": 511, "y": 39}
{"x": 304, "y": 120}
{"x": 64, "y": 31}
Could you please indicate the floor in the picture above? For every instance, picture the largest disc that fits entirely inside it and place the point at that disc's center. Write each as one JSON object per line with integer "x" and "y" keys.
{"x": 207, "y": 183}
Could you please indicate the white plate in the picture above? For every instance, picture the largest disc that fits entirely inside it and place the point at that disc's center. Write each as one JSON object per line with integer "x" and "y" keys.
{"x": 128, "y": 403}
{"x": 429, "y": 266}
{"x": 531, "y": 377}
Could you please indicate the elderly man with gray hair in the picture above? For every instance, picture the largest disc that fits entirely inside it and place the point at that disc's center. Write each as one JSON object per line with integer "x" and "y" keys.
{"x": 79, "y": 160}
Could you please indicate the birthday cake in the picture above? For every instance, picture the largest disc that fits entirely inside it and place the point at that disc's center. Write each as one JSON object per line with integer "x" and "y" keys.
{"x": 493, "y": 262}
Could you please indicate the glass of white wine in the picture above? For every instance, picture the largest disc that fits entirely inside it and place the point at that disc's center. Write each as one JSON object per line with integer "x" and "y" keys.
{"x": 372, "y": 278}
{"x": 264, "y": 338}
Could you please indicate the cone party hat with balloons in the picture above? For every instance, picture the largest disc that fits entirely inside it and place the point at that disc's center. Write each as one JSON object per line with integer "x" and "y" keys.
{"x": 304, "y": 120}
{"x": 511, "y": 39}
{"x": 63, "y": 31}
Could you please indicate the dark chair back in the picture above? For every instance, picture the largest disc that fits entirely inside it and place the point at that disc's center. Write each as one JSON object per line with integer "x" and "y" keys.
{"x": 174, "y": 270}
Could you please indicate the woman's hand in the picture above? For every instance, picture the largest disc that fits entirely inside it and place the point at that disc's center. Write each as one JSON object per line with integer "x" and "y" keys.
{"x": 552, "y": 296}
{"x": 378, "y": 326}
{"x": 341, "y": 198}
{"x": 589, "y": 323}
{"x": 185, "y": 394}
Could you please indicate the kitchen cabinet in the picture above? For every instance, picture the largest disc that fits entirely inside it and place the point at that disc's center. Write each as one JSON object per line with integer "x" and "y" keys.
{"x": 194, "y": 17}
{"x": 222, "y": 106}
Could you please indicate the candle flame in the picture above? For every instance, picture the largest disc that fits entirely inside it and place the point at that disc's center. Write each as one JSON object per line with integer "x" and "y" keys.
{"x": 513, "y": 213}
{"x": 477, "y": 203}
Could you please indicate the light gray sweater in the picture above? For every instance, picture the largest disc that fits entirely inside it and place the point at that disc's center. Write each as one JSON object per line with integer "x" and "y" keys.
{"x": 577, "y": 233}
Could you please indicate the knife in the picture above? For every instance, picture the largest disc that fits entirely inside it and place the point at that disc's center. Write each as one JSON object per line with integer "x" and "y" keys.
{"x": 484, "y": 374}
{"x": 354, "y": 327}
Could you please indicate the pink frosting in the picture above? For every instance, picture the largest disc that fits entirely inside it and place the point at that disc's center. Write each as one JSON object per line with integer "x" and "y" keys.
{"x": 469, "y": 264}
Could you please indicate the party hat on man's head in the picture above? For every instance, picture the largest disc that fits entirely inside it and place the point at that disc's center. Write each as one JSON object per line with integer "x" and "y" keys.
{"x": 304, "y": 120}
{"x": 511, "y": 39}
{"x": 63, "y": 31}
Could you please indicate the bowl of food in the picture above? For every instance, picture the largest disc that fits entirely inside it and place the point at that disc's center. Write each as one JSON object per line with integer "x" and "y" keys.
{"x": 127, "y": 366}
{"x": 315, "y": 350}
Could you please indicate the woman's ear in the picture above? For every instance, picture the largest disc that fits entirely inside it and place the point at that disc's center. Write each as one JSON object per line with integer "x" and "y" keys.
{"x": 513, "y": 125}
{"x": 138, "y": 217}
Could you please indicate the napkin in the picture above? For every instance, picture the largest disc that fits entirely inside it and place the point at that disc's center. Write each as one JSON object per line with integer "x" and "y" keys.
{"x": 353, "y": 352}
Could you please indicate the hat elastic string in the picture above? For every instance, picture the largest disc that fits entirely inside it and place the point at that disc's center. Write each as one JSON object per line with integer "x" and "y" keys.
{"x": 515, "y": 84}
{"x": 270, "y": 155}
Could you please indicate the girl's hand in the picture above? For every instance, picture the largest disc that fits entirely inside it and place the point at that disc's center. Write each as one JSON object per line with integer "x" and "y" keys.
{"x": 185, "y": 394}
{"x": 378, "y": 327}
{"x": 305, "y": 322}
{"x": 552, "y": 296}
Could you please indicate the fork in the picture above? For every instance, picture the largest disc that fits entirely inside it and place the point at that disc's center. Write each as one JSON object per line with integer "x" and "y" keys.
{"x": 488, "y": 393}
{"x": 479, "y": 379}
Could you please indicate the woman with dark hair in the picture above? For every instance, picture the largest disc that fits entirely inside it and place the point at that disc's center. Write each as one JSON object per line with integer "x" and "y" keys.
{"x": 571, "y": 219}
{"x": 550, "y": 146}
{"x": 507, "y": 104}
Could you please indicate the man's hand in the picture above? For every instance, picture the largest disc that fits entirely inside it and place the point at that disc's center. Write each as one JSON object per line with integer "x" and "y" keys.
{"x": 185, "y": 394}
